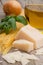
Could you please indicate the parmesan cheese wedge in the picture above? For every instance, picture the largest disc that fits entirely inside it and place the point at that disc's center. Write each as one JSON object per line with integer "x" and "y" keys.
{"x": 31, "y": 34}
{"x": 23, "y": 45}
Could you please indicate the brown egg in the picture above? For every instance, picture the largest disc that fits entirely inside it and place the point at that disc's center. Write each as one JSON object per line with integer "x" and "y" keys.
{"x": 12, "y": 7}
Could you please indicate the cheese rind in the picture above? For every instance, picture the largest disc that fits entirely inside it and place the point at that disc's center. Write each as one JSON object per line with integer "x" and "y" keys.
{"x": 23, "y": 45}
{"x": 31, "y": 34}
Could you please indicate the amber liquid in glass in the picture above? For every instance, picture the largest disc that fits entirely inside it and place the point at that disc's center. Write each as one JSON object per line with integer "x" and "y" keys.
{"x": 34, "y": 14}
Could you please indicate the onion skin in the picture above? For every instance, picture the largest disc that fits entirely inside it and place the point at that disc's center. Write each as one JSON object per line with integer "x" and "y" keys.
{"x": 12, "y": 7}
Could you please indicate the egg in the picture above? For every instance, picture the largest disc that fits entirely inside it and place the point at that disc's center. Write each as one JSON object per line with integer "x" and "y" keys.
{"x": 12, "y": 7}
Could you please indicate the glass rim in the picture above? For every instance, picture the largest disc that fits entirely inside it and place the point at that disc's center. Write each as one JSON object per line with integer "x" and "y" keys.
{"x": 35, "y": 7}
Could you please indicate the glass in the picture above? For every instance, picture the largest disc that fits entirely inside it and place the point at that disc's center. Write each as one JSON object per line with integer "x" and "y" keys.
{"x": 34, "y": 13}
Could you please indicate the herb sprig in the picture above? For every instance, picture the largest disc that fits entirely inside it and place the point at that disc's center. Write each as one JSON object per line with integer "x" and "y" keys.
{"x": 9, "y": 23}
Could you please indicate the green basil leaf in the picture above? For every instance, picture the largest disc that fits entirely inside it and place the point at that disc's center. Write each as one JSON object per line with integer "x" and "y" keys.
{"x": 6, "y": 28}
{"x": 21, "y": 19}
{"x": 1, "y": 24}
{"x": 9, "y": 22}
{"x": 6, "y": 19}
{"x": 12, "y": 22}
